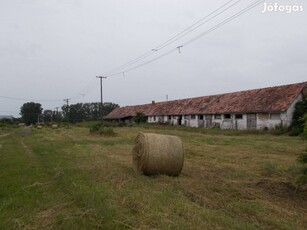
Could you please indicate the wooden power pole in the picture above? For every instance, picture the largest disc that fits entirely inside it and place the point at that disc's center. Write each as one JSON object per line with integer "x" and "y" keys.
{"x": 101, "y": 98}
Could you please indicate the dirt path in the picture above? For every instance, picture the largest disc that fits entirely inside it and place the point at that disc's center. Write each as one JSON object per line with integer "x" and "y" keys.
{"x": 5, "y": 135}
{"x": 28, "y": 151}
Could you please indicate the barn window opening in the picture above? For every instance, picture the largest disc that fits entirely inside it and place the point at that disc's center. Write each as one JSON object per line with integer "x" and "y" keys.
{"x": 227, "y": 116}
{"x": 169, "y": 117}
{"x": 239, "y": 116}
{"x": 192, "y": 117}
{"x": 201, "y": 117}
{"x": 275, "y": 116}
{"x": 217, "y": 116}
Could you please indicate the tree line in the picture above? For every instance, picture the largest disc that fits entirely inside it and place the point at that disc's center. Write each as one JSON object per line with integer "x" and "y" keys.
{"x": 32, "y": 112}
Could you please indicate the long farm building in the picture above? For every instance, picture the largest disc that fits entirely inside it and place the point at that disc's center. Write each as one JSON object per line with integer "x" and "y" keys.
{"x": 250, "y": 109}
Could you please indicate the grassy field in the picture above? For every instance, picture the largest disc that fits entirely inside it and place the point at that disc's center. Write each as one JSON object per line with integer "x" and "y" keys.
{"x": 68, "y": 179}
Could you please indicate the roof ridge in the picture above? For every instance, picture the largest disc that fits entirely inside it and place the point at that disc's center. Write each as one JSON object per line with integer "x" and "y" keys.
{"x": 220, "y": 94}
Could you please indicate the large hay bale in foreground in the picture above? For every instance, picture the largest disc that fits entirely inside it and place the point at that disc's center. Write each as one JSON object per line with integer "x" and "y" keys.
{"x": 158, "y": 154}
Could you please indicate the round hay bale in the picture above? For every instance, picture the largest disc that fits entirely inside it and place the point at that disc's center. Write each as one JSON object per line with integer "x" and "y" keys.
{"x": 54, "y": 126}
{"x": 157, "y": 154}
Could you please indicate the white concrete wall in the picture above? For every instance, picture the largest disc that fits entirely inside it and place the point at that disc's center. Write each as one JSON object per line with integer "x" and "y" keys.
{"x": 219, "y": 121}
{"x": 241, "y": 123}
{"x": 233, "y": 122}
{"x": 174, "y": 120}
{"x": 265, "y": 120}
{"x": 151, "y": 119}
{"x": 287, "y": 119}
{"x": 193, "y": 122}
{"x": 165, "y": 119}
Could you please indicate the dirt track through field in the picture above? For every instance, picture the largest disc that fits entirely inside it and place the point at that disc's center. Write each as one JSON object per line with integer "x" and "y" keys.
{"x": 5, "y": 135}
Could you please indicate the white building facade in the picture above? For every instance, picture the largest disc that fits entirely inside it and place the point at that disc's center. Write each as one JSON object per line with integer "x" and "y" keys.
{"x": 253, "y": 109}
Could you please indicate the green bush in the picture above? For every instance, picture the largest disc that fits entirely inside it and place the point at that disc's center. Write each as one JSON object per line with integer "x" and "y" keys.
{"x": 109, "y": 132}
{"x": 298, "y": 116}
{"x": 295, "y": 131}
{"x": 302, "y": 158}
{"x": 279, "y": 130}
{"x": 101, "y": 129}
{"x": 140, "y": 118}
{"x": 95, "y": 128}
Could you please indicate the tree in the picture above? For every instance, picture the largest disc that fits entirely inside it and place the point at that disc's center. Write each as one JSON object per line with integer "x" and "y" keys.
{"x": 57, "y": 116}
{"x": 302, "y": 158}
{"x": 31, "y": 112}
{"x": 86, "y": 111}
{"x": 299, "y": 112}
{"x": 140, "y": 118}
{"x": 108, "y": 107}
{"x": 48, "y": 115}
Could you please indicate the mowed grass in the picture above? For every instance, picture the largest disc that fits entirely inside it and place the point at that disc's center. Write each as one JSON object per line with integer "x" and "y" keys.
{"x": 68, "y": 179}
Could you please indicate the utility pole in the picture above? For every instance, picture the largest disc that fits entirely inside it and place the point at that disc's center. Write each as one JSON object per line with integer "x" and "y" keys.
{"x": 67, "y": 101}
{"x": 67, "y": 111}
{"x": 101, "y": 99}
{"x": 56, "y": 114}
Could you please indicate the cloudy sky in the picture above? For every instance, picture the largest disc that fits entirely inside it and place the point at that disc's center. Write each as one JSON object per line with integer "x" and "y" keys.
{"x": 54, "y": 49}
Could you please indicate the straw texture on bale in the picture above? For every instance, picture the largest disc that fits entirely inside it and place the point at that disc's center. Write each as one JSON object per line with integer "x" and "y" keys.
{"x": 157, "y": 154}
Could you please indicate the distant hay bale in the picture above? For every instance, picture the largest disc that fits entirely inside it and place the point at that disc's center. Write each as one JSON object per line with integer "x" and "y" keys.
{"x": 54, "y": 126}
{"x": 39, "y": 127}
{"x": 158, "y": 154}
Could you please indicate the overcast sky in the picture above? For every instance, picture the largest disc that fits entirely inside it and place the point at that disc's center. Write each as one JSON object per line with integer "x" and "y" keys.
{"x": 54, "y": 49}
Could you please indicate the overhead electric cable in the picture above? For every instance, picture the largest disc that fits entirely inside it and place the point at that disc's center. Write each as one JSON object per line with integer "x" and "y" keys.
{"x": 162, "y": 45}
{"x": 246, "y": 9}
{"x": 145, "y": 63}
{"x": 174, "y": 38}
{"x": 192, "y": 29}
{"x": 224, "y": 22}
{"x": 25, "y": 99}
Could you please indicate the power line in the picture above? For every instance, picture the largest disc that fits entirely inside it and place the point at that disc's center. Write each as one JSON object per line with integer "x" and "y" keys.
{"x": 24, "y": 99}
{"x": 193, "y": 39}
{"x": 174, "y": 38}
{"x": 162, "y": 45}
{"x": 178, "y": 36}
{"x": 191, "y": 29}
{"x": 145, "y": 63}
{"x": 225, "y": 22}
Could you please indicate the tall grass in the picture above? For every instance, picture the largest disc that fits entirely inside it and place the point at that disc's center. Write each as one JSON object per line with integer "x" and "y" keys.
{"x": 69, "y": 179}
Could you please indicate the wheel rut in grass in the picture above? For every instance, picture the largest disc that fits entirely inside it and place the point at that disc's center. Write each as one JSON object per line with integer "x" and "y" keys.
{"x": 29, "y": 153}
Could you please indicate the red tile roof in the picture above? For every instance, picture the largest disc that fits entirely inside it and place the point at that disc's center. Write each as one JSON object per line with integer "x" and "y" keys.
{"x": 265, "y": 100}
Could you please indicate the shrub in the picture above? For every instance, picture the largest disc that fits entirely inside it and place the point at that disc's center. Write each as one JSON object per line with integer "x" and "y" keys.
{"x": 109, "y": 132}
{"x": 279, "y": 130}
{"x": 304, "y": 120}
{"x": 102, "y": 130}
{"x": 302, "y": 158}
{"x": 139, "y": 118}
{"x": 298, "y": 116}
{"x": 95, "y": 128}
{"x": 295, "y": 131}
